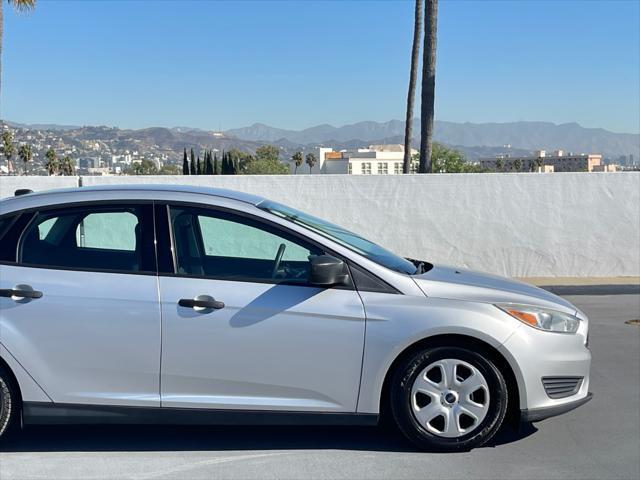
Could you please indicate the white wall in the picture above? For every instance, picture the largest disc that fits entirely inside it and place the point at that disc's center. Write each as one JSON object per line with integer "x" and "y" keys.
{"x": 516, "y": 224}
{"x": 8, "y": 185}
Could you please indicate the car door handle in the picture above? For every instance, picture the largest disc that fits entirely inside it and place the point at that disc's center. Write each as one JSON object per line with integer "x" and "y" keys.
{"x": 20, "y": 292}
{"x": 201, "y": 303}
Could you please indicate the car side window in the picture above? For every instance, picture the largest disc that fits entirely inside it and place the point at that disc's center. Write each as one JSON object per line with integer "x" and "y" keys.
{"x": 116, "y": 238}
{"x": 222, "y": 245}
{"x": 108, "y": 230}
{"x": 5, "y": 223}
{"x": 7, "y": 246}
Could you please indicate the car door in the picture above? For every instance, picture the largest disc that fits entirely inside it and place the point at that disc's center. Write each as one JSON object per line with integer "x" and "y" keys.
{"x": 79, "y": 305}
{"x": 264, "y": 339}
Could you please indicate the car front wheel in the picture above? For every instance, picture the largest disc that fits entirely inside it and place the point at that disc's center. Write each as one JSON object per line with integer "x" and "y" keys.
{"x": 448, "y": 399}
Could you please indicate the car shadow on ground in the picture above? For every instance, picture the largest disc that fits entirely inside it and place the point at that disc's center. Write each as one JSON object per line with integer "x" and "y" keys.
{"x": 179, "y": 438}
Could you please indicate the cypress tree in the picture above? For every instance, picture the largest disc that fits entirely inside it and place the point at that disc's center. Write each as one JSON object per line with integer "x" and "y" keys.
{"x": 229, "y": 164}
{"x": 216, "y": 165}
{"x": 185, "y": 163}
{"x": 209, "y": 165}
{"x": 192, "y": 165}
{"x": 199, "y": 166}
{"x": 225, "y": 164}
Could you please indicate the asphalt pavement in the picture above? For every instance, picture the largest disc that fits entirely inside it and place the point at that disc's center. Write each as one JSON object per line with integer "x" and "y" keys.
{"x": 600, "y": 440}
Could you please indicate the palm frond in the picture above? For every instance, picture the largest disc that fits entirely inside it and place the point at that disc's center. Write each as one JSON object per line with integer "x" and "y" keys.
{"x": 22, "y": 5}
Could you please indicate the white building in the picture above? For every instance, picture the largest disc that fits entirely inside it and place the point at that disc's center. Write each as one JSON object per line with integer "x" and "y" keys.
{"x": 375, "y": 160}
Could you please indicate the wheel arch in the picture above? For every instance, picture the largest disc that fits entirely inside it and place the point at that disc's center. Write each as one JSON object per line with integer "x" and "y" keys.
{"x": 26, "y": 386}
{"x": 455, "y": 340}
{"x": 12, "y": 378}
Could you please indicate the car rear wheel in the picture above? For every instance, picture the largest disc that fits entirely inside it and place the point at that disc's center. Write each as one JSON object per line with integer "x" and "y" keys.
{"x": 8, "y": 404}
{"x": 448, "y": 399}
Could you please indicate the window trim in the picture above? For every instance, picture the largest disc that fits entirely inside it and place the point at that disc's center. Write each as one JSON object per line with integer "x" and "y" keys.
{"x": 34, "y": 211}
{"x": 256, "y": 219}
{"x": 166, "y": 247}
{"x": 165, "y": 262}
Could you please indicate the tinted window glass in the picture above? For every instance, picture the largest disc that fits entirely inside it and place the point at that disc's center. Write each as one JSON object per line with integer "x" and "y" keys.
{"x": 218, "y": 244}
{"x": 44, "y": 227}
{"x": 91, "y": 238}
{"x": 11, "y": 227}
{"x": 109, "y": 230}
{"x": 5, "y": 223}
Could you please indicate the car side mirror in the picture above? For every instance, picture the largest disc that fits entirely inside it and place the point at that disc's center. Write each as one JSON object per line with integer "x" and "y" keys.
{"x": 327, "y": 271}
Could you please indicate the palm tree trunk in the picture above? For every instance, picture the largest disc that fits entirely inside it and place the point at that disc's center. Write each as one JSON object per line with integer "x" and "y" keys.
{"x": 413, "y": 77}
{"x": 428, "y": 84}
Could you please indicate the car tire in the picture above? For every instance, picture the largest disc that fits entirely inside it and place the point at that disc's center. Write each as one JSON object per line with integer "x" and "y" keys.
{"x": 9, "y": 405}
{"x": 434, "y": 407}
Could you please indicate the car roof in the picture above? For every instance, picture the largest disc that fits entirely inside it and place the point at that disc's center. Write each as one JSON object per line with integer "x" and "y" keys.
{"x": 216, "y": 192}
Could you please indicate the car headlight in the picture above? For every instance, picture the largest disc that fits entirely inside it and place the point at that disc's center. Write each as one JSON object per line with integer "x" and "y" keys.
{"x": 542, "y": 318}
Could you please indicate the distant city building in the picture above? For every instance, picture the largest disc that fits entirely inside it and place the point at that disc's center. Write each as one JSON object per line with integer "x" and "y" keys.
{"x": 541, "y": 161}
{"x": 88, "y": 162}
{"x": 375, "y": 160}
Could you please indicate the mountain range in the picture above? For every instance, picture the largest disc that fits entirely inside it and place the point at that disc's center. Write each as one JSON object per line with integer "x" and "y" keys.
{"x": 474, "y": 139}
{"x": 528, "y": 136}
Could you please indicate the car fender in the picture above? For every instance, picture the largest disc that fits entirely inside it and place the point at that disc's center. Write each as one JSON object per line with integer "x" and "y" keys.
{"x": 396, "y": 322}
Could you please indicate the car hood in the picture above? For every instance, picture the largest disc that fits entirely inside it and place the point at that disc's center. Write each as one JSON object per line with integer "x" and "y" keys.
{"x": 461, "y": 284}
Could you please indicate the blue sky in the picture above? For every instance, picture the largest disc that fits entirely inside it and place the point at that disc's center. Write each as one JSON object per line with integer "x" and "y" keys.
{"x": 294, "y": 64}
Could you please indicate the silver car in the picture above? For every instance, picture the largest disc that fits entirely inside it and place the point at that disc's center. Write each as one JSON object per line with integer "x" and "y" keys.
{"x": 183, "y": 305}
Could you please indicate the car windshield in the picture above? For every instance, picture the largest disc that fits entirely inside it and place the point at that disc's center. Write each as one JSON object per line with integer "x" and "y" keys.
{"x": 344, "y": 237}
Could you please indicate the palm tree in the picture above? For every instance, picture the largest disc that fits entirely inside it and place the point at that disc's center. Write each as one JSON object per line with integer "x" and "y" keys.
{"x": 297, "y": 159}
{"x": 25, "y": 154}
{"x": 413, "y": 77}
{"x": 20, "y": 6}
{"x": 52, "y": 161}
{"x": 428, "y": 84}
{"x": 517, "y": 164}
{"x": 8, "y": 148}
{"x": 66, "y": 166}
{"x": 311, "y": 161}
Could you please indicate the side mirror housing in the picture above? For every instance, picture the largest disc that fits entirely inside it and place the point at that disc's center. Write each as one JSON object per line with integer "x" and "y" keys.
{"x": 327, "y": 271}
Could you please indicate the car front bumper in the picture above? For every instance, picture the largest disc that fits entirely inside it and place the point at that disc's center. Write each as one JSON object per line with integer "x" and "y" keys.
{"x": 534, "y": 355}
{"x": 537, "y": 414}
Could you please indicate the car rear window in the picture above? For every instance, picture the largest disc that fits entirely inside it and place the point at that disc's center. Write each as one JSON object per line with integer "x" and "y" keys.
{"x": 109, "y": 238}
